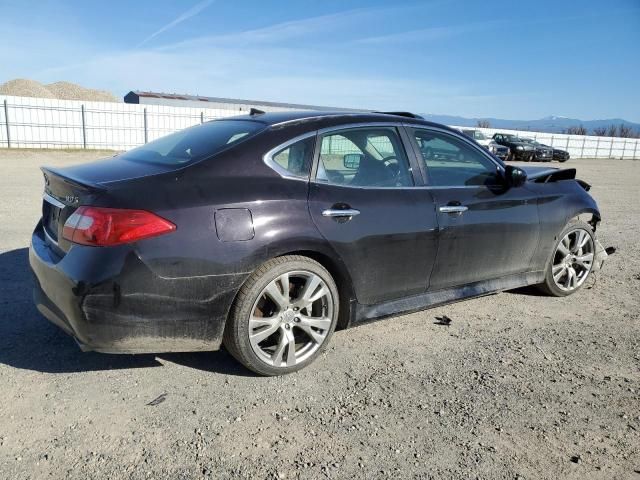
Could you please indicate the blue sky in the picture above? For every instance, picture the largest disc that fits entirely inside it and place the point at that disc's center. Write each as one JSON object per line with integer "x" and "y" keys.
{"x": 507, "y": 59}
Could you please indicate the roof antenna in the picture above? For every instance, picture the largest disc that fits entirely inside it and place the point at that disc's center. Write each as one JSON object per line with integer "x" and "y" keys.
{"x": 255, "y": 111}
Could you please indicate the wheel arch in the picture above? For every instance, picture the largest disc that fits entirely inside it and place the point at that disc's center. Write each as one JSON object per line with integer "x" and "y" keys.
{"x": 326, "y": 257}
{"x": 341, "y": 276}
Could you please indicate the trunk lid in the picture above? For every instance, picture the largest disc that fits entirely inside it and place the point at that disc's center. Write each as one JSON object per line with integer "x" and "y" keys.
{"x": 68, "y": 188}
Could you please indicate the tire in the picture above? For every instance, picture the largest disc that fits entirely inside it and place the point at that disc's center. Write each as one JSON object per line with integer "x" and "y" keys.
{"x": 287, "y": 322}
{"x": 558, "y": 288}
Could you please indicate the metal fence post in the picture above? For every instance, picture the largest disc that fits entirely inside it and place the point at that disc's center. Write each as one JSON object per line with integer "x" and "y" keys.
{"x": 6, "y": 121}
{"x": 635, "y": 149}
{"x": 568, "y": 138}
{"x": 611, "y": 147}
{"x": 201, "y": 117}
{"x": 584, "y": 139}
{"x": 624, "y": 148}
{"x": 84, "y": 128}
{"x": 146, "y": 128}
{"x": 597, "y": 147}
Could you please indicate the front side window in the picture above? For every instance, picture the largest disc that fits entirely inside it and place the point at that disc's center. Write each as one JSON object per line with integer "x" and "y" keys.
{"x": 195, "y": 143}
{"x": 364, "y": 157}
{"x": 296, "y": 158}
{"x": 451, "y": 162}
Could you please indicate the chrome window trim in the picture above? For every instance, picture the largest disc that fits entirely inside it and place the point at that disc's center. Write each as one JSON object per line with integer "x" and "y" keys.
{"x": 267, "y": 158}
{"x": 52, "y": 200}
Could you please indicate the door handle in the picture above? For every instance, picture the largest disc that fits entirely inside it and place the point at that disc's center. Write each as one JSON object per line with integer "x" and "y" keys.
{"x": 334, "y": 212}
{"x": 459, "y": 209}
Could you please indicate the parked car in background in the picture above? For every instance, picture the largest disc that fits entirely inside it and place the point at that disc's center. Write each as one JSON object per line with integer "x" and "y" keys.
{"x": 543, "y": 153}
{"x": 560, "y": 155}
{"x": 547, "y": 153}
{"x": 518, "y": 148}
{"x": 487, "y": 142}
{"x": 268, "y": 231}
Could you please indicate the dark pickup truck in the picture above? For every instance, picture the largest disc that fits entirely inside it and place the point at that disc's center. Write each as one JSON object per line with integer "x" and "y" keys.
{"x": 518, "y": 148}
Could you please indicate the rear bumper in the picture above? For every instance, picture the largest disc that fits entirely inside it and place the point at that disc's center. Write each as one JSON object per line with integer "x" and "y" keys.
{"x": 110, "y": 301}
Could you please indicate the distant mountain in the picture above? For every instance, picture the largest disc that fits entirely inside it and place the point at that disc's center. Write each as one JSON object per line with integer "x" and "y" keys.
{"x": 551, "y": 124}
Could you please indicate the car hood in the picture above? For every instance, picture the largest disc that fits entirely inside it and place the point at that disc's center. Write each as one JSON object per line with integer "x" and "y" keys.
{"x": 545, "y": 174}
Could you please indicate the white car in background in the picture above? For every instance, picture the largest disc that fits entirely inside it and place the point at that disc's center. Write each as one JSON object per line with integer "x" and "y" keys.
{"x": 488, "y": 143}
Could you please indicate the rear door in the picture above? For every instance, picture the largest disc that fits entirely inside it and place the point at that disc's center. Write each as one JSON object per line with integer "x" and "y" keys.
{"x": 363, "y": 200}
{"x": 486, "y": 229}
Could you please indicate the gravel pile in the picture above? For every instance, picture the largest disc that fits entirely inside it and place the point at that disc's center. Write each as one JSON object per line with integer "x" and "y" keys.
{"x": 22, "y": 87}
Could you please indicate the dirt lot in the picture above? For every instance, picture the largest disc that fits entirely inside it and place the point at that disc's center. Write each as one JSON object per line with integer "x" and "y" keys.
{"x": 519, "y": 386}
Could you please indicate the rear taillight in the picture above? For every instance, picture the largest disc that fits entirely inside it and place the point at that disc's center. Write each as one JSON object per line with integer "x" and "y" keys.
{"x": 99, "y": 226}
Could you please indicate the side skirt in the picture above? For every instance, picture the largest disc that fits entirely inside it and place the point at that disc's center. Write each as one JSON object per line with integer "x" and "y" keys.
{"x": 366, "y": 313}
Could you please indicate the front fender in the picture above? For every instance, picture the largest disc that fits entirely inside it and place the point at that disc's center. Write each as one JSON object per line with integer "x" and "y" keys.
{"x": 558, "y": 203}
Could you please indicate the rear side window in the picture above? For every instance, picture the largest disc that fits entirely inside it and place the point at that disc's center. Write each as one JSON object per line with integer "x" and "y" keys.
{"x": 366, "y": 157}
{"x": 195, "y": 143}
{"x": 295, "y": 159}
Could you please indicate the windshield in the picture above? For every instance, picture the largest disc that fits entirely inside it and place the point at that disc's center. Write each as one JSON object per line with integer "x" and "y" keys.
{"x": 479, "y": 135}
{"x": 195, "y": 143}
{"x": 513, "y": 138}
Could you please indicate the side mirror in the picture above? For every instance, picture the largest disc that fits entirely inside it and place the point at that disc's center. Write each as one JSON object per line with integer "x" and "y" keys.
{"x": 514, "y": 176}
{"x": 352, "y": 160}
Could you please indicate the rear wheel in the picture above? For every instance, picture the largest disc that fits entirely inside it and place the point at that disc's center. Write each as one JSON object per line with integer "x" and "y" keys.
{"x": 283, "y": 317}
{"x": 571, "y": 261}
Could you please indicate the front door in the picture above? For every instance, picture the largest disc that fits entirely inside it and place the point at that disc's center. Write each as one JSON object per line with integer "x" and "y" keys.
{"x": 364, "y": 202}
{"x": 487, "y": 230}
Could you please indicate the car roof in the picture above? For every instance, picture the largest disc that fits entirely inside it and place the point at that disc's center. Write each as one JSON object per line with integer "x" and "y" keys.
{"x": 323, "y": 119}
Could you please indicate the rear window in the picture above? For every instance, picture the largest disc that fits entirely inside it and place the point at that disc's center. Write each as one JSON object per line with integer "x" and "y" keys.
{"x": 195, "y": 143}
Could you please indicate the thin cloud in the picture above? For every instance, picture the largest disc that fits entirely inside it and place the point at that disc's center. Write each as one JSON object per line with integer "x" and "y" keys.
{"x": 192, "y": 12}
{"x": 429, "y": 33}
{"x": 335, "y": 23}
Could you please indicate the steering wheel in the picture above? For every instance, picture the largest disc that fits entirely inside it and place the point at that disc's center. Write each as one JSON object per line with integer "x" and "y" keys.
{"x": 394, "y": 167}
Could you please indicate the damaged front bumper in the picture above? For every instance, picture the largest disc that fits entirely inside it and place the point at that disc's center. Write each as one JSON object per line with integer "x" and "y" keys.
{"x": 599, "y": 257}
{"x": 117, "y": 304}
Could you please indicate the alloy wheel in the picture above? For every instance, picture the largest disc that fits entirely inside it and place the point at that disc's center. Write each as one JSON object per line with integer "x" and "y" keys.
{"x": 573, "y": 260}
{"x": 291, "y": 318}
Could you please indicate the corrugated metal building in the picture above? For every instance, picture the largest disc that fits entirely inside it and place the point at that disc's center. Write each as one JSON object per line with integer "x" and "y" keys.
{"x": 193, "y": 101}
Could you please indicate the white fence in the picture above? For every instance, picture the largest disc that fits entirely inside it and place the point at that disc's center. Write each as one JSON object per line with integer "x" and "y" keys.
{"x": 47, "y": 123}
{"x": 579, "y": 146}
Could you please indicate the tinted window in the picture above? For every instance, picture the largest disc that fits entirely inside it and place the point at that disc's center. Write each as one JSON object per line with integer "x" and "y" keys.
{"x": 364, "y": 157}
{"x": 452, "y": 162}
{"x": 296, "y": 158}
{"x": 195, "y": 143}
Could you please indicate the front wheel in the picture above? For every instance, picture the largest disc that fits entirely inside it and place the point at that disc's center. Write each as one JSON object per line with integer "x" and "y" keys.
{"x": 571, "y": 261}
{"x": 283, "y": 317}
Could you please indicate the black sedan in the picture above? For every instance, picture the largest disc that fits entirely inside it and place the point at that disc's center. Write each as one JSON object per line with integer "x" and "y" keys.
{"x": 546, "y": 153}
{"x": 267, "y": 232}
{"x": 560, "y": 155}
{"x": 519, "y": 149}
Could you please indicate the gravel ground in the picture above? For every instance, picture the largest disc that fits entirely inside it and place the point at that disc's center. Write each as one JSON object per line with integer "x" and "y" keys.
{"x": 518, "y": 386}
